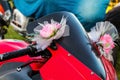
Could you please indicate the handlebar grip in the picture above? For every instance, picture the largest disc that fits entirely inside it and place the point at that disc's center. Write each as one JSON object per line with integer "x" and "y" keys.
{"x": 17, "y": 53}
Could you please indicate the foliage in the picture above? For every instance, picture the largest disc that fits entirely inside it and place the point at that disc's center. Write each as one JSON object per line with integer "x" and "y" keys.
{"x": 12, "y": 34}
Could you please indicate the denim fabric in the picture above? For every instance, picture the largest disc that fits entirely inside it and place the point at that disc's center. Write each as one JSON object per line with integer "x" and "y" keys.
{"x": 87, "y": 11}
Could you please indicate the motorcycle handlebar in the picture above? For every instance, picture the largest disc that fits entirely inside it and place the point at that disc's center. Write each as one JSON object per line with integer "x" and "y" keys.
{"x": 9, "y": 55}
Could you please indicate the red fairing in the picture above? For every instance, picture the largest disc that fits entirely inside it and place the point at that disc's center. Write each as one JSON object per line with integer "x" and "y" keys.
{"x": 8, "y": 45}
{"x": 64, "y": 66}
{"x": 61, "y": 66}
{"x": 1, "y": 9}
{"x": 109, "y": 69}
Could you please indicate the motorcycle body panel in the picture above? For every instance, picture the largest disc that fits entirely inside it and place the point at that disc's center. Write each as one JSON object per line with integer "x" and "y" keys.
{"x": 74, "y": 59}
{"x": 64, "y": 66}
{"x": 8, "y": 45}
{"x": 65, "y": 62}
{"x": 77, "y": 44}
{"x": 109, "y": 69}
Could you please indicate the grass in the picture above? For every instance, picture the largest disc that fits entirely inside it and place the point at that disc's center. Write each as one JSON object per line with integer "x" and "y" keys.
{"x": 15, "y": 35}
{"x": 12, "y": 34}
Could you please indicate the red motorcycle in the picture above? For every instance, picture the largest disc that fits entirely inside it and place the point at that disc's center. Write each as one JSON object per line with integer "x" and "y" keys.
{"x": 70, "y": 57}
